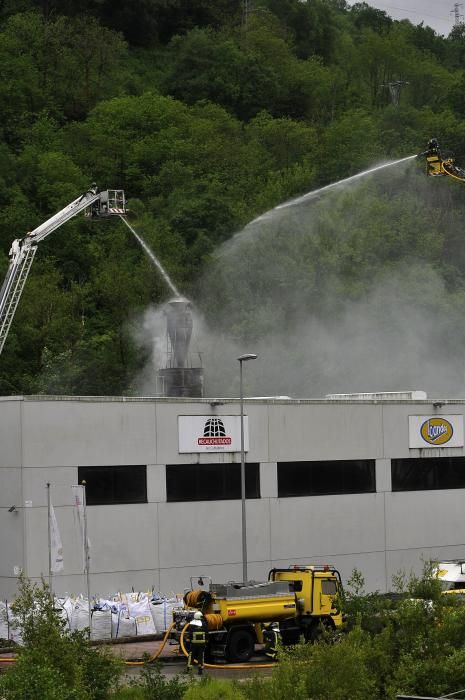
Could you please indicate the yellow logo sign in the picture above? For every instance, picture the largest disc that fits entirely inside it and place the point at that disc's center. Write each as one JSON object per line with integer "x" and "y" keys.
{"x": 436, "y": 431}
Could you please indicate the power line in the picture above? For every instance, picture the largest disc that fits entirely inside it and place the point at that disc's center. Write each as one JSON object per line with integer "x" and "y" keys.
{"x": 413, "y": 12}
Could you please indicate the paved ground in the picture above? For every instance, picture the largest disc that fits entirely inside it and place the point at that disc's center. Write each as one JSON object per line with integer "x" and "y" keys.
{"x": 173, "y": 662}
{"x": 137, "y": 650}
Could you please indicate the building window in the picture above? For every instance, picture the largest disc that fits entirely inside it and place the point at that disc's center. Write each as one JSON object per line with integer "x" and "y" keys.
{"x": 326, "y": 478}
{"x": 422, "y": 474}
{"x": 111, "y": 485}
{"x": 210, "y": 482}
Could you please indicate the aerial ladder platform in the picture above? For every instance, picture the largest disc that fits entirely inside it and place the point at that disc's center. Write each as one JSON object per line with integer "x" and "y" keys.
{"x": 438, "y": 165}
{"x": 93, "y": 203}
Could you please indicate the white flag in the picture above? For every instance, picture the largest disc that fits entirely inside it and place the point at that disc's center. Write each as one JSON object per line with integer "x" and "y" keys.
{"x": 78, "y": 502}
{"x": 56, "y": 547}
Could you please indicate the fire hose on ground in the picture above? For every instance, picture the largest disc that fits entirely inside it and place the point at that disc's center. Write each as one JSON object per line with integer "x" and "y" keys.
{"x": 155, "y": 656}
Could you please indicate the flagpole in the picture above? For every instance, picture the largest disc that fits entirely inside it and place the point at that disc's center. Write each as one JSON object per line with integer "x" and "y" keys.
{"x": 49, "y": 530}
{"x": 86, "y": 550}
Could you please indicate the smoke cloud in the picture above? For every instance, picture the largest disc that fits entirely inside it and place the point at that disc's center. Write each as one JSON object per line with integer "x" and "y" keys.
{"x": 356, "y": 291}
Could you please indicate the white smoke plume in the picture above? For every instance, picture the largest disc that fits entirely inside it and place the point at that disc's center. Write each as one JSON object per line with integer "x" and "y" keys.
{"x": 341, "y": 294}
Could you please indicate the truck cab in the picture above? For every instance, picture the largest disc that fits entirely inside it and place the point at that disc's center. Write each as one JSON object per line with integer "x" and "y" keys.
{"x": 318, "y": 590}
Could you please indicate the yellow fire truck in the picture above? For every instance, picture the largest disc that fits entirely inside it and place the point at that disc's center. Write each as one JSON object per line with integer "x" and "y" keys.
{"x": 301, "y": 599}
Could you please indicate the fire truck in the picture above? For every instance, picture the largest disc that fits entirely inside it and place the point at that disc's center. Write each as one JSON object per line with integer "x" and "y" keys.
{"x": 303, "y": 599}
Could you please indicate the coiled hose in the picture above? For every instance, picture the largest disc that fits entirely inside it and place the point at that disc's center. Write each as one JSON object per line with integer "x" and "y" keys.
{"x": 197, "y": 598}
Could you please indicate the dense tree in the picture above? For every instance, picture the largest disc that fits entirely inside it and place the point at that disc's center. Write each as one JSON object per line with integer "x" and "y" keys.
{"x": 63, "y": 66}
{"x": 367, "y": 17}
{"x": 208, "y": 115}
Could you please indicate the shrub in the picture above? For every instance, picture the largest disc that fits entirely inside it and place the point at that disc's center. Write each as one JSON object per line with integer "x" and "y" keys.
{"x": 155, "y": 686}
{"x": 214, "y": 689}
{"x": 27, "y": 680}
{"x": 51, "y": 656}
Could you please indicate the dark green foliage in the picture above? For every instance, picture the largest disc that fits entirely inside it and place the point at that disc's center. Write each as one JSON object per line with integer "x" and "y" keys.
{"x": 153, "y": 685}
{"x": 214, "y": 689}
{"x": 209, "y": 116}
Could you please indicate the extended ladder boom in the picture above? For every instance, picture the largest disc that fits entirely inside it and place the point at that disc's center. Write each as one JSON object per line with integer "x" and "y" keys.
{"x": 22, "y": 252}
{"x": 57, "y": 220}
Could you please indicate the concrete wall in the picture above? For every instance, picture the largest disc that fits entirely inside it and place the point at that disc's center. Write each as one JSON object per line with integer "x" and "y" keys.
{"x": 159, "y": 544}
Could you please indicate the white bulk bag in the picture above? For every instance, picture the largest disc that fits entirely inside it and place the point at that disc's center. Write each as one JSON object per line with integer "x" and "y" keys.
{"x": 65, "y": 607}
{"x": 101, "y": 624}
{"x": 143, "y": 616}
{"x": 123, "y": 625}
{"x": 132, "y": 597}
{"x": 162, "y": 613}
{"x": 80, "y": 615}
{"x": 14, "y": 628}
{"x": 4, "y": 626}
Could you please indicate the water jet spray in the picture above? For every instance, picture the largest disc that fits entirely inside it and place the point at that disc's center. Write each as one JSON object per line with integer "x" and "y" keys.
{"x": 177, "y": 378}
{"x": 326, "y": 188}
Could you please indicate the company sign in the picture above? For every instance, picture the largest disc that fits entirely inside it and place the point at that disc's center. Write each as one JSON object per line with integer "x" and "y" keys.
{"x": 212, "y": 433}
{"x": 435, "y": 431}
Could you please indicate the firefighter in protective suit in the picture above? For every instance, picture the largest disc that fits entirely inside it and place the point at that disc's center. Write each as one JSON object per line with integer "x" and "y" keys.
{"x": 433, "y": 158}
{"x": 271, "y": 637}
{"x": 196, "y": 635}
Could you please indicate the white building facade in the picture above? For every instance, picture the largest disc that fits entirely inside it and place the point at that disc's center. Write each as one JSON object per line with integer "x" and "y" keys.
{"x": 376, "y": 485}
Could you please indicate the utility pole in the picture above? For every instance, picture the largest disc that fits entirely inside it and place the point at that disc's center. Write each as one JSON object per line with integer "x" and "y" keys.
{"x": 458, "y": 18}
{"x": 395, "y": 88}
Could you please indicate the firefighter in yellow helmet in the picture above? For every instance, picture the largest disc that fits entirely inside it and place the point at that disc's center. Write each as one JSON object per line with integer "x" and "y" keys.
{"x": 196, "y": 635}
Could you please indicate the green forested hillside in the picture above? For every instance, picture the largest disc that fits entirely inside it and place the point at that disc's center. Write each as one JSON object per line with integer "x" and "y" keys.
{"x": 208, "y": 116}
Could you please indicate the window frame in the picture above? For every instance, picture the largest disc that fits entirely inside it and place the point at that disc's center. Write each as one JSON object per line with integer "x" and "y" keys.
{"x": 175, "y": 473}
{"x": 115, "y": 470}
{"x": 307, "y": 466}
{"x": 442, "y": 470}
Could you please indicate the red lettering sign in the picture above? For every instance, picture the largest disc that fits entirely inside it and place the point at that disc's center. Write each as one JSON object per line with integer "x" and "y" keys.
{"x": 232, "y": 613}
{"x": 214, "y": 441}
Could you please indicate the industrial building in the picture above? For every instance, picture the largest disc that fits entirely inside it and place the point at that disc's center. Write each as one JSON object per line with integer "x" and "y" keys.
{"x": 375, "y": 482}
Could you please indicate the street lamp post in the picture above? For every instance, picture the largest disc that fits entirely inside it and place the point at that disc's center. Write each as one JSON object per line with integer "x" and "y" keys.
{"x": 243, "y": 358}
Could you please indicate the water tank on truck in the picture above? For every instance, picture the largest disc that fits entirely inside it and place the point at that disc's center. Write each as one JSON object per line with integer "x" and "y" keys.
{"x": 301, "y": 599}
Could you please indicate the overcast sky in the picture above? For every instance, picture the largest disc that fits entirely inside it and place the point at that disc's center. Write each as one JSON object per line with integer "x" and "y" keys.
{"x": 438, "y": 14}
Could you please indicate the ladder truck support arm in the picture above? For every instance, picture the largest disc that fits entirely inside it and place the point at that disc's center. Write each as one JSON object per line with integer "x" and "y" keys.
{"x": 94, "y": 203}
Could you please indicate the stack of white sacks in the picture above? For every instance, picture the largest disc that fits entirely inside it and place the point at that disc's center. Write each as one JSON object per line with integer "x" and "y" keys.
{"x": 132, "y": 614}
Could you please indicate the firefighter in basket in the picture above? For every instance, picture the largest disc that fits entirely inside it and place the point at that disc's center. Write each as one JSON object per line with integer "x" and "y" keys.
{"x": 271, "y": 637}
{"x": 196, "y": 635}
{"x": 438, "y": 164}
{"x": 433, "y": 158}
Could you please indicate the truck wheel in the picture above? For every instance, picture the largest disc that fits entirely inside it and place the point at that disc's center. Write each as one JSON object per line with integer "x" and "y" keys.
{"x": 241, "y": 645}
